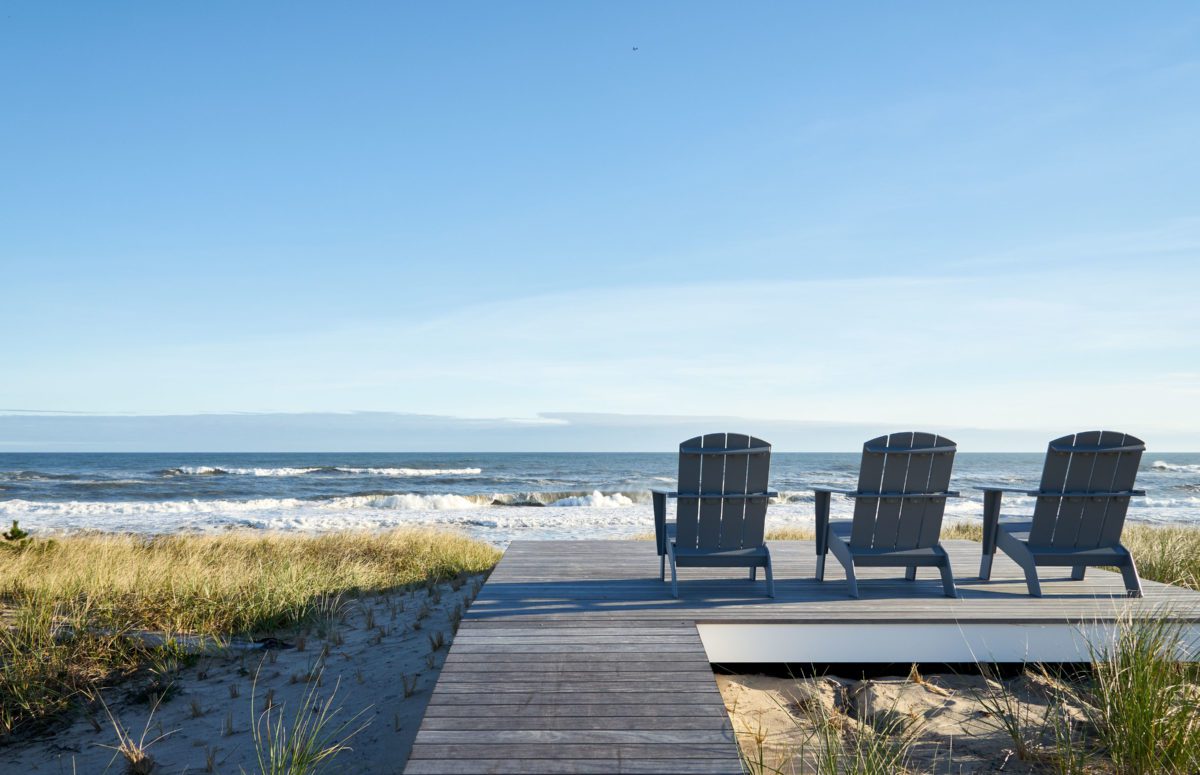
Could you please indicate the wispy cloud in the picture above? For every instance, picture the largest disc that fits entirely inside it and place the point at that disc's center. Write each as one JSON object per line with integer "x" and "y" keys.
{"x": 1044, "y": 349}
{"x": 1176, "y": 239}
{"x": 551, "y": 431}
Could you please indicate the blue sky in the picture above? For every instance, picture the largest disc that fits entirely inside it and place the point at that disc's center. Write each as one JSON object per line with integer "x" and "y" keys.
{"x": 945, "y": 215}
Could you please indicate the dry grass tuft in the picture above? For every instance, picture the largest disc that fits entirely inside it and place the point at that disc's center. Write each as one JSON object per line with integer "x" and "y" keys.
{"x": 791, "y": 534}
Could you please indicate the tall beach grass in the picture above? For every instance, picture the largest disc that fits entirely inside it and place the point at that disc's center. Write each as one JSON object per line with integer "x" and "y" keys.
{"x": 75, "y": 611}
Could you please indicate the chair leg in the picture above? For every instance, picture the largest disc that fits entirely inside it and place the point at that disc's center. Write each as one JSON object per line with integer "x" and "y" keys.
{"x": 1077, "y": 572}
{"x": 662, "y": 567}
{"x": 770, "y": 579}
{"x": 1133, "y": 584}
{"x": 842, "y": 552}
{"x": 753, "y": 573}
{"x": 947, "y": 578}
{"x": 1031, "y": 581}
{"x": 910, "y": 573}
{"x": 674, "y": 578}
{"x": 1020, "y": 554}
{"x": 991, "y": 531}
{"x": 820, "y": 567}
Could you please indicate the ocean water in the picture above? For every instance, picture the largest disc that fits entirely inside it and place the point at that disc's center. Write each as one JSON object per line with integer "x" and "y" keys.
{"x": 494, "y": 496}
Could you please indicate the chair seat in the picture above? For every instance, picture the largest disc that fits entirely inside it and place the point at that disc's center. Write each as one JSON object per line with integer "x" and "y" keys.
{"x": 1059, "y": 556}
{"x": 721, "y": 558}
{"x": 1018, "y": 529}
{"x": 884, "y": 557}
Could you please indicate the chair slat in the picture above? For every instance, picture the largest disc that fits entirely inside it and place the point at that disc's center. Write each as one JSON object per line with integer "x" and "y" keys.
{"x": 913, "y": 511}
{"x": 733, "y": 513}
{"x": 757, "y": 474}
{"x": 870, "y": 477}
{"x": 687, "y": 510}
{"x": 712, "y": 479}
{"x": 895, "y": 472}
{"x": 1054, "y": 476}
{"x": 940, "y": 468}
{"x": 1124, "y": 476}
{"x": 1104, "y": 470}
{"x": 1079, "y": 479}
{"x": 1127, "y": 468}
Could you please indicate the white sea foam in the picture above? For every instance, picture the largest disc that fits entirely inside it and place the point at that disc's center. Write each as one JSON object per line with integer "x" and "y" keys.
{"x": 412, "y": 471}
{"x": 286, "y": 471}
{"x": 217, "y": 471}
{"x": 793, "y": 496}
{"x": 1162, "y": 465}
{"x": 493, "y": 517}
{"x": 498, "y": 524}
{"x": 595, "y": 499}
{"x": 409, "y": 502}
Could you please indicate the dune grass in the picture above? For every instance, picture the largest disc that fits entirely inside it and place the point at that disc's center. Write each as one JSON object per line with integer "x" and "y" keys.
{"x": 74, "y": 610}
{"x": 1144, "y": 703}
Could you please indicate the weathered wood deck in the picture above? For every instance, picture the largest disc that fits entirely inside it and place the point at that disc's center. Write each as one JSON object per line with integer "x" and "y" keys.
{"x": 575, "y": 658}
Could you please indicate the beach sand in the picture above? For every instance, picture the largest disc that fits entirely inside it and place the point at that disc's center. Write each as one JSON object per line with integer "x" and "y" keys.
{"x": 372, "y": 646}
{"x": 954, "y": 732}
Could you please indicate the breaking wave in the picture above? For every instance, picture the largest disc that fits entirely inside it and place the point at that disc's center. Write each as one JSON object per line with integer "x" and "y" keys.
{"x": 595, "y": 499}
{"x": 1162, "y": 465}
{"x": 286, "y": 471}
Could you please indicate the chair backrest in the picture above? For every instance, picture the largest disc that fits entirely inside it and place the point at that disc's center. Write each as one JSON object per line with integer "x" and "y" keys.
{"x": 902, "y": 464}
{"x": 717, "y": 473}
{"x": 1082, "y": 463}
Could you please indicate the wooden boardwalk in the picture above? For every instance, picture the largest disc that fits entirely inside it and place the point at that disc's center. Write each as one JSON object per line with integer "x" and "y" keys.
{"x": 575, "y": 658}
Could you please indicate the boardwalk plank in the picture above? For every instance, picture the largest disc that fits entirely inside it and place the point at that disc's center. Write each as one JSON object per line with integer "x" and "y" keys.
{"x": 521, "y": 699}
{"x": 663, "y": 710}
{"x": 462, "y": 766}
{"x": 559, "y": 721}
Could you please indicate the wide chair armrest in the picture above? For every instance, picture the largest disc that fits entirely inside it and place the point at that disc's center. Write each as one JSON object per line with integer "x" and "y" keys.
{"x": 1016, "y": 490}
{"x": 1063, "y": 493}
{"x": 886, "y": 495}
{"x": 1082, "y": 494}
{"x": 833, "y": 491}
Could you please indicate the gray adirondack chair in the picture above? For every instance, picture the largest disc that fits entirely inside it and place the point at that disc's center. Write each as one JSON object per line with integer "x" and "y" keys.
{"x": 1087, "y": 482}
{"x": 903, "y": 485}
{"x": 721, "y": 514}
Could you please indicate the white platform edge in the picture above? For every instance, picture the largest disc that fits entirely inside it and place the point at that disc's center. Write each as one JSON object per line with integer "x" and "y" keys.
{"x": 877, "y": 643}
